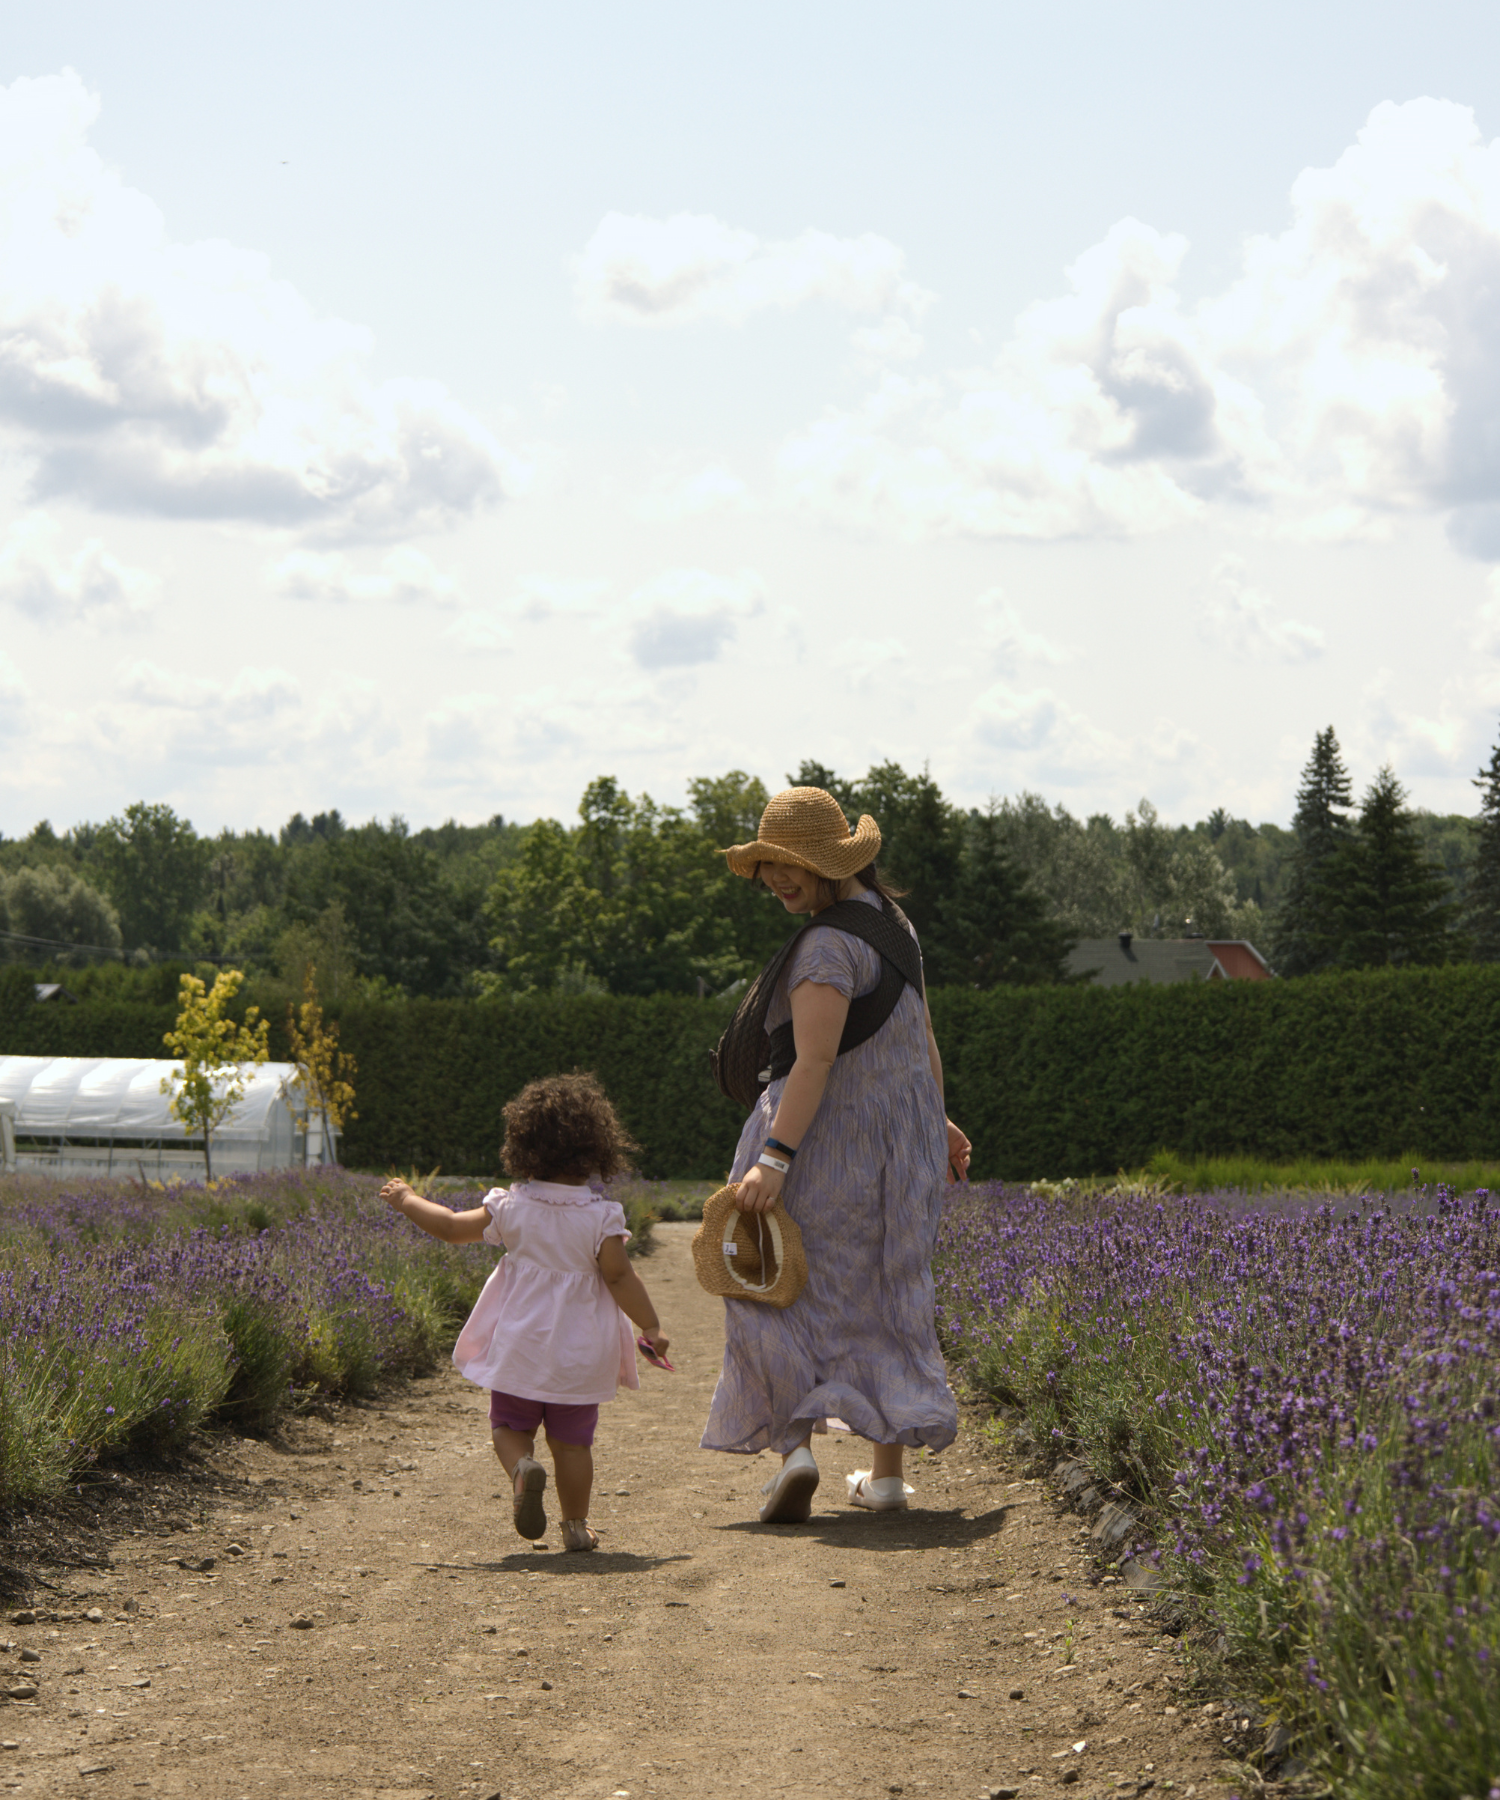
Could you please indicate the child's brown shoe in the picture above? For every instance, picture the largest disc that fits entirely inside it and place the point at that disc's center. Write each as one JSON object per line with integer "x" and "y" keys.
{"x": 529, "y": 1483}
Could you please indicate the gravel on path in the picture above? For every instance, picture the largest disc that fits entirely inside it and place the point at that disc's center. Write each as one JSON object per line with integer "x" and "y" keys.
{"x": 369, "y": 1627}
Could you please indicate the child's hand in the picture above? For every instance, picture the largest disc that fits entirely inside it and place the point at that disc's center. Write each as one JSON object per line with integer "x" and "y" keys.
{"x": 658, "y": 1341}
{"x": 395, "y": 1192}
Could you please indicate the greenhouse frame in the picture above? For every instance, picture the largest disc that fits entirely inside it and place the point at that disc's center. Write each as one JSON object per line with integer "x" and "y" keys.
{"x": 108, "y": 1115}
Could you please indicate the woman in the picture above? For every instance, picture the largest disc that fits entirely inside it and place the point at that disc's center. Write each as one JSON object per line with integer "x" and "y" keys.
{"x": 864, "y": 1144}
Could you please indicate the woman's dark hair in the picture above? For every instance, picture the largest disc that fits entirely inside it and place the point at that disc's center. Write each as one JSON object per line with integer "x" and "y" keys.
{"x": 563, "y": 1128}
{"x": 869, "y": 877}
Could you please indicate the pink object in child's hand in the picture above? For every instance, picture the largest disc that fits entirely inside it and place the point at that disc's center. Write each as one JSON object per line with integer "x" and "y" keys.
{"x": 650, "y": 1355}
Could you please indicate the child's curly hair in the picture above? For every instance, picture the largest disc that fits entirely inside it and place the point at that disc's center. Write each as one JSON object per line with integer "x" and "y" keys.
{"x": 563, "y": 1128}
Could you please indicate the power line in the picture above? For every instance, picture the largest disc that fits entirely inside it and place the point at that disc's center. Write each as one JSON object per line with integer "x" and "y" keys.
{"x": 37, "y": 943}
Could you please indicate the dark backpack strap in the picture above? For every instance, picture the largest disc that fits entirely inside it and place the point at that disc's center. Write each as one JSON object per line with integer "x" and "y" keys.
{"x": 740, "y": 1056}
{"x": 900, "y": 967}
{"x": 748, "y": 1057}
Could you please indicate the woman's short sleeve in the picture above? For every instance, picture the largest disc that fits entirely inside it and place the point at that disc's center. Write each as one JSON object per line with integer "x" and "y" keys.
{"x": 611, "y": 1224}
{"x": 492, "y": 1203}
{"x": 833, "y": 959}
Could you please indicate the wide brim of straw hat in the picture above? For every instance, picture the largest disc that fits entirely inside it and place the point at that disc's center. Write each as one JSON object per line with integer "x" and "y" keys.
{"x": 805, "y": 826}
{"x": 730, "y": 1252}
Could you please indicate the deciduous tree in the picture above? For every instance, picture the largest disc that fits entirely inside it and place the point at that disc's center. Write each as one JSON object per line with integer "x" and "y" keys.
{"x": 153, "y": 866}
{"x": 55, "y": 916}
{"x": 324, "y": 1072}
{"x": 210, "y": 1081}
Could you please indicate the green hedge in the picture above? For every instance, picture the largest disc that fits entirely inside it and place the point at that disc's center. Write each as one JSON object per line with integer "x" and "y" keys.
{"x": 434, "y": 1074}
{"x": 1047, "y": 1081}
{"x": 1078, "y": 1081}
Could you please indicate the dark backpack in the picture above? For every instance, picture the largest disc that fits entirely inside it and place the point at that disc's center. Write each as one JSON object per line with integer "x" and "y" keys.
{"x": 749, "y": 1058}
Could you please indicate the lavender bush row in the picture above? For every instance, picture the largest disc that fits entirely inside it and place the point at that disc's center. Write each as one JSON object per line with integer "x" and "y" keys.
{"x": 1304, "y": 1404}
{"x": 131, "y": 1313}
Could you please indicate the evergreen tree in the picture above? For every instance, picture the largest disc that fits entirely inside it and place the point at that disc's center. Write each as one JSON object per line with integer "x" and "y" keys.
{"x": 1484, "y": 879}
{"x": 995, "y": 927}
{"x": 1306, "y": 933}
{"x": 1392, "y": 902}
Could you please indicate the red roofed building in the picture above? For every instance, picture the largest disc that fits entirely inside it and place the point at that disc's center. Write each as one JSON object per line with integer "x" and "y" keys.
{"x": 1119, "y": 961}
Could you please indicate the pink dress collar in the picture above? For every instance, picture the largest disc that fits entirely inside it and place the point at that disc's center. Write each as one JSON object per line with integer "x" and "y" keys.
{"x": 558, "y": 1193}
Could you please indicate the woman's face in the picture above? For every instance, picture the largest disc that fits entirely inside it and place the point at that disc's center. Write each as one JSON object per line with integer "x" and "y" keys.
{"x": 796, "y": 889}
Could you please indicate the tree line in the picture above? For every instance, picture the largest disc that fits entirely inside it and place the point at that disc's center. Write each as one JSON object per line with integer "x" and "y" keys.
{"x": 631, "y": 897}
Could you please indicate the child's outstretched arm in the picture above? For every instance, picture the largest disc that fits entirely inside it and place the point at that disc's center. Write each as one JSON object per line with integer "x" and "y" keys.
{"x": 435, "y": 1220}
{"x": 630, "y": 1292}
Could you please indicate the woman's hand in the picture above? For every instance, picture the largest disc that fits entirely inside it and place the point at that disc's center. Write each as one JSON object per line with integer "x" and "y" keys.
{"x": 959, "y": 1149}
{"x": 759, "y": 1190}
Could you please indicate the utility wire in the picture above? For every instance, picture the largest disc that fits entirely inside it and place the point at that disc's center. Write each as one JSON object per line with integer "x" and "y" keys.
{"x": 37, "y": 943}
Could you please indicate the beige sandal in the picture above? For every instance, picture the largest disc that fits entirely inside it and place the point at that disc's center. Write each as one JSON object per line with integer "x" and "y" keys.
{"x": 528, "y": 1484}
{"x": 577, "y": 1534}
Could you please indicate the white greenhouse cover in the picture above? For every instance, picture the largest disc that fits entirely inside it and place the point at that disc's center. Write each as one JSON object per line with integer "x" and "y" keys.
{"x": 121, "y": 1097}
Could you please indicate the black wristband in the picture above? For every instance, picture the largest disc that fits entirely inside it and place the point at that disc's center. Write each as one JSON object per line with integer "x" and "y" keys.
{"x": 776, "y": 1144}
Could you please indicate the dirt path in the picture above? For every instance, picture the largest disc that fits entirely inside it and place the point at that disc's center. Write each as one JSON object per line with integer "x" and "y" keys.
{"x": 697, "y": 1654}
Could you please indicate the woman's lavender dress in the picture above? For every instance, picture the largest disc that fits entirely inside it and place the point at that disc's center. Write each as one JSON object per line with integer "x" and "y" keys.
{"x": 859, "y": 1344}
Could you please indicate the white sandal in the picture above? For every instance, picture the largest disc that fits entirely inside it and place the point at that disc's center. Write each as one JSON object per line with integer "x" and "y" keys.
{"x": 790, "y": 1490}
{"x": 889, "y": 1494}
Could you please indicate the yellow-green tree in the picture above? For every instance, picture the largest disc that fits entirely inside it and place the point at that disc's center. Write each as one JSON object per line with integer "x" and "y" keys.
{"x": 210, "y": 1082}
{"x": 323, "y": 1070}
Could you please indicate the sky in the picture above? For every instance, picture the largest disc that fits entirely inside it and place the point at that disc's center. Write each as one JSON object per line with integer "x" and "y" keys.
{"x": 423, "y": 411}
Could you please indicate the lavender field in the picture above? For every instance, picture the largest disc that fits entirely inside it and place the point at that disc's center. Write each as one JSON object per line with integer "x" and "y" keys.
{"x": 131, "y": 1314}
{"x": 1303, "y": 1404}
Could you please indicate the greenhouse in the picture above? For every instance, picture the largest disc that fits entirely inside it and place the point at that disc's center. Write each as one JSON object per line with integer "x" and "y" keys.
{"x": 102, "y": 1115}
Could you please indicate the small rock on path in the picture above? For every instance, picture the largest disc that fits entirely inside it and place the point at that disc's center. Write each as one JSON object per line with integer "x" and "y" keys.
{"x": 384, "y": 1635}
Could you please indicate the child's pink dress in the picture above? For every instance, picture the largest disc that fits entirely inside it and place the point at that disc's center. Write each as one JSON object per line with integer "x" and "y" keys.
{"x": 546, "y": 1327}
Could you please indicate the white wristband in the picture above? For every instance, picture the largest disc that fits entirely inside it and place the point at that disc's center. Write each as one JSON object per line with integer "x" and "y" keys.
{"x": 767, "y": 1161}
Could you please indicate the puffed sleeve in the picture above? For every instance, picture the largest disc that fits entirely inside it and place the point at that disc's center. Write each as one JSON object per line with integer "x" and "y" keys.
{"x": 611, "y": 1223}
{"x": 833, "y": 959}
{"x": 492, "y": 1203}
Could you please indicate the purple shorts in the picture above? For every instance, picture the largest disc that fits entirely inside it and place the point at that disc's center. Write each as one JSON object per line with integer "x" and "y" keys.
{"x": 567, "y": 1424}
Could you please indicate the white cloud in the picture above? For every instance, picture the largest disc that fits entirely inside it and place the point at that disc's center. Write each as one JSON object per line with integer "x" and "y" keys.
{"x": 542, "y": 597}
{"x": 711, "y": 489}
{"x": 1097, "y": 418}
{"x": 60, "y": 580}
{"x": 1350, "y": 374}
{"x": 1243, "y": 620}
{"x": 686, "y": 616}
{"x": 183, "y": 380}
{"x": 1397, "y": 727}
{"x": 404, "y": 575}
{"x": 867, "y": 663}
{"x": 484, "y": 628}
{"x": 892, "y": 340}
{"x": 692, "y": 267}
{"x": 251, "y": 694}
{"x": 1001, "y": 630}
{"x": 1487, "y": 621}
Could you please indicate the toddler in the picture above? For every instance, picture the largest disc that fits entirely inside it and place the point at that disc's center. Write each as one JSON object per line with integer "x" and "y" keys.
{"x": 549, "y": 1335}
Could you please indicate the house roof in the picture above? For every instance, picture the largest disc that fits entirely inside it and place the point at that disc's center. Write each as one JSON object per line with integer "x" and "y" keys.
{"x": 1113, "y": 963}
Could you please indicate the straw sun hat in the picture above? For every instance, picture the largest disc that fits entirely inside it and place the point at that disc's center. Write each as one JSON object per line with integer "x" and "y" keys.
{"x": 749, "y": 1256}
{"x": 805, "y": 826}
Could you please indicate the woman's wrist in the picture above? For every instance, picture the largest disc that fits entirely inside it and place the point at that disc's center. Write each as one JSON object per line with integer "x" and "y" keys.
{"x": 780, "y": 1148}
